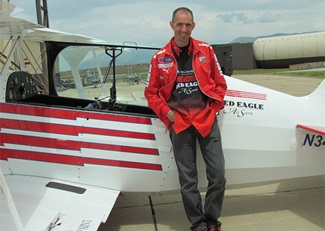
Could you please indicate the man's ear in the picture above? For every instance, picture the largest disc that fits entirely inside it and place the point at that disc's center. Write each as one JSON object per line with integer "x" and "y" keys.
{"x": 171, "y": 24}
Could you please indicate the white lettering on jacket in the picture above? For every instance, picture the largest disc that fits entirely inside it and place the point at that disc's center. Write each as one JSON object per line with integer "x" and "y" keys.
{"x": 165, "y": 65}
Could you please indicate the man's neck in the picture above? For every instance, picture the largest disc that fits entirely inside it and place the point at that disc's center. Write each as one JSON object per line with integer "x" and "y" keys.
{"x": 181, "y": 44}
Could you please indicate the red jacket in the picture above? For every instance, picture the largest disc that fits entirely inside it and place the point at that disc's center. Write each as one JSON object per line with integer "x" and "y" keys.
{"x": 163, "y": 72}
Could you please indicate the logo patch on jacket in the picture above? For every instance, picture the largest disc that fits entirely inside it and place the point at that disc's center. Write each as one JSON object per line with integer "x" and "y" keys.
{"x": 165, "y": 59}
{"x": 165, "y": 65}
{"x": 202, "y": 59}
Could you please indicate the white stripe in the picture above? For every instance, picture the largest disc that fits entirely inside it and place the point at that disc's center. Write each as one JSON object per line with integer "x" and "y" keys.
{"x": 90, "y": 123}
{"x": 88, "y": 138}
{"x": 89, "y": 153}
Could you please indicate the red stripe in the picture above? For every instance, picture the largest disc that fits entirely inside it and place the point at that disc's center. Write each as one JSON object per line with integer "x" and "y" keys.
{"x": 73, "y": 160}
{"x": 315, "y": 129}
{"x": 71, "y": 145}
{"x": 69, "y": 113}
{"x": 245, "y": 94}
{"x": 69, "y": 130}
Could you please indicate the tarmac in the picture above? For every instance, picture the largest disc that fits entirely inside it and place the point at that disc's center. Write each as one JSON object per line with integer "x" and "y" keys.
{"x": 287, "y": 205}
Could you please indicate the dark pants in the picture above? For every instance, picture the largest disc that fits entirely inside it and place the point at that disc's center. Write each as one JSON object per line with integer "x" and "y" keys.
{"x": 184, "y": 145}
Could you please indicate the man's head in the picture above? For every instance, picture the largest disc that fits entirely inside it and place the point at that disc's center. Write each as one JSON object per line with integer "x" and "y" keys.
{"x": 182, "y": 24}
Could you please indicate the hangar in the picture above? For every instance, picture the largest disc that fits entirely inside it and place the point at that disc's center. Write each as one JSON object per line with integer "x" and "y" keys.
{"x": 282, "y": 51}
{"x": 272, "y": 52}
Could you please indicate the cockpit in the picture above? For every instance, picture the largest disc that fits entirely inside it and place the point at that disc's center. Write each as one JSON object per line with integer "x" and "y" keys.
{"x": 87, "y": 77}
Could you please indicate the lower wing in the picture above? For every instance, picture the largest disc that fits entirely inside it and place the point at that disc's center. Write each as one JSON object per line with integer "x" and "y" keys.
{"x": 45, "y": 204}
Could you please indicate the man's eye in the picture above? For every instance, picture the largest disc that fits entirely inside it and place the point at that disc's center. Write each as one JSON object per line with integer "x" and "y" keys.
{"x": 181, "y": 25}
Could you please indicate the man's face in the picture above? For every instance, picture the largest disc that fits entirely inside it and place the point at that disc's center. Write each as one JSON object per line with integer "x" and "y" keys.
{"x": 183, "y": 26}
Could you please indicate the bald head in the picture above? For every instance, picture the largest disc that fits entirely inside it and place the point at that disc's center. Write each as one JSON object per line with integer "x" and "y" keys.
{"x": 182, "y": 10}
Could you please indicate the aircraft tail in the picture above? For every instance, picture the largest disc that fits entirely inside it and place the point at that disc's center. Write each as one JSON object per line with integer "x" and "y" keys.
{"x": 319, "y": 92}
{"x": 318, "y": 97}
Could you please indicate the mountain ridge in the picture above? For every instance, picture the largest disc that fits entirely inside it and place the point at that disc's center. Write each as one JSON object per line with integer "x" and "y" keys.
{"x": 243, "y": 39}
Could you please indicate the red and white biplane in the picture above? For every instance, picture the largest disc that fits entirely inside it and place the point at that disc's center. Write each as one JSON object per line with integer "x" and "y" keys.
{"x": 69, "y": 146}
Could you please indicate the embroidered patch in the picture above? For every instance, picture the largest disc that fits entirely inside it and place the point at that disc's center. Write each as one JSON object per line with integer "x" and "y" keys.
{"x": 165, "y": 65}
{"x": 202, "y": 59}
{"x": 165, "y": 59}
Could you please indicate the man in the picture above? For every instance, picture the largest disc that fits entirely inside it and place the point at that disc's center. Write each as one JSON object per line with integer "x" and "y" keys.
{"x": 186, "y": 88}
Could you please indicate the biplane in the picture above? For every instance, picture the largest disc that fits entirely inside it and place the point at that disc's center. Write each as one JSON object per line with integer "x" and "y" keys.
{"x": 74, "y": 133}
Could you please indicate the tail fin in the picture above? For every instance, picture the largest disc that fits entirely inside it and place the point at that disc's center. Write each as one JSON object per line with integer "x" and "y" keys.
{"x": 319, "y": 93}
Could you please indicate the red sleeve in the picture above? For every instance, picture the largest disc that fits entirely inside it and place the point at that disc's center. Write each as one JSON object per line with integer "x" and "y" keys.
{"x": 219, "y": 79}
{"x": 151, "y": 92}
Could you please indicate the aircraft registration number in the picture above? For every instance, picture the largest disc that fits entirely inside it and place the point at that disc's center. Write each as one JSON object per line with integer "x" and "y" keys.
{"x": 314, "y": 140}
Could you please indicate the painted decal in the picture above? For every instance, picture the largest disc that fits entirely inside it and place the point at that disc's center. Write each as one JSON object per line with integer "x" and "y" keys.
{"x": 245, "y": 94}
{"x": 243, "y": 104}
{"x": 241, "y": 108}
{"x": 314, "y": 140}
{"x": 55, "y": 143}
{"x": 68, "y": 137}
{"x": 70, "y": 129}
{"x": 69, "y": 114}
{"x": 75, "y": 160}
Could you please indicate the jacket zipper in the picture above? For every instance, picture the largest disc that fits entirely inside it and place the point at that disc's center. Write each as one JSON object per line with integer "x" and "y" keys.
{"x": 173, "y": 82}
{"x": 199, "y": 81}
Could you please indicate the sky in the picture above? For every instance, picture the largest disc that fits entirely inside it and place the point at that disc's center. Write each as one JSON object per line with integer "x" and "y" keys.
{"x": 146, "y": 22}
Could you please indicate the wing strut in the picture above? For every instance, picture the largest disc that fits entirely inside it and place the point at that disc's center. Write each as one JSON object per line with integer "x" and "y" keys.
{"x": 10, "y": 202}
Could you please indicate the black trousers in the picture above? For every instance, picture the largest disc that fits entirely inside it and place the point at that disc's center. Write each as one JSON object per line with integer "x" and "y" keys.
{"x": 184, "y": 145}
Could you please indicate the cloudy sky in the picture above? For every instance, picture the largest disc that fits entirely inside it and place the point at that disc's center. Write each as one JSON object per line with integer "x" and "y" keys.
{"x": 146, "y": 22}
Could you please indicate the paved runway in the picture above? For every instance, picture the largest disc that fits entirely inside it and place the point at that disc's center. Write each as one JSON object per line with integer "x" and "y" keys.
{"x": 291, "y": 205}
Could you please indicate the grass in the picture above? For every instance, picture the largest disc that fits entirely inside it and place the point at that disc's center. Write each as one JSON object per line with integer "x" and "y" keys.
{"x": 143, "y": 68}
{"x": 282, "y": 72}
{"x": 314, "y": 74}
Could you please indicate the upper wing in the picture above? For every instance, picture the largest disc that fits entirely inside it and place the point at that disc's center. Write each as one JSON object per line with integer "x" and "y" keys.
{"x": 44, "y": 204}
{"x": 13, "y": 26}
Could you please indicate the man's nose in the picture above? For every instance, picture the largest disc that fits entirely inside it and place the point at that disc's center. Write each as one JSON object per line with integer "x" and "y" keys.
{"x": 184, "y": 28}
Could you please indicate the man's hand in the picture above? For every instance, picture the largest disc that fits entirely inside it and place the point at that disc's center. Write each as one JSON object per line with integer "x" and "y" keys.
{"x": 171, "y": 115}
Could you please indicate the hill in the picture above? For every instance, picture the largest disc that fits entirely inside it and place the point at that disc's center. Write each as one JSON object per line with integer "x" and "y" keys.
{"x": 252, "y": 39}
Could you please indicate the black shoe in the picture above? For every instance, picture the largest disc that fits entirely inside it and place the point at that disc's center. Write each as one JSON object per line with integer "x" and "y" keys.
{"x": 215, "y": 229}
{"x": 201, "y": 229}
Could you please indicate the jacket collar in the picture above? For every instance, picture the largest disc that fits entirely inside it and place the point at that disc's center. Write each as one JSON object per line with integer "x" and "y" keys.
{"x": 176, "y": 49}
